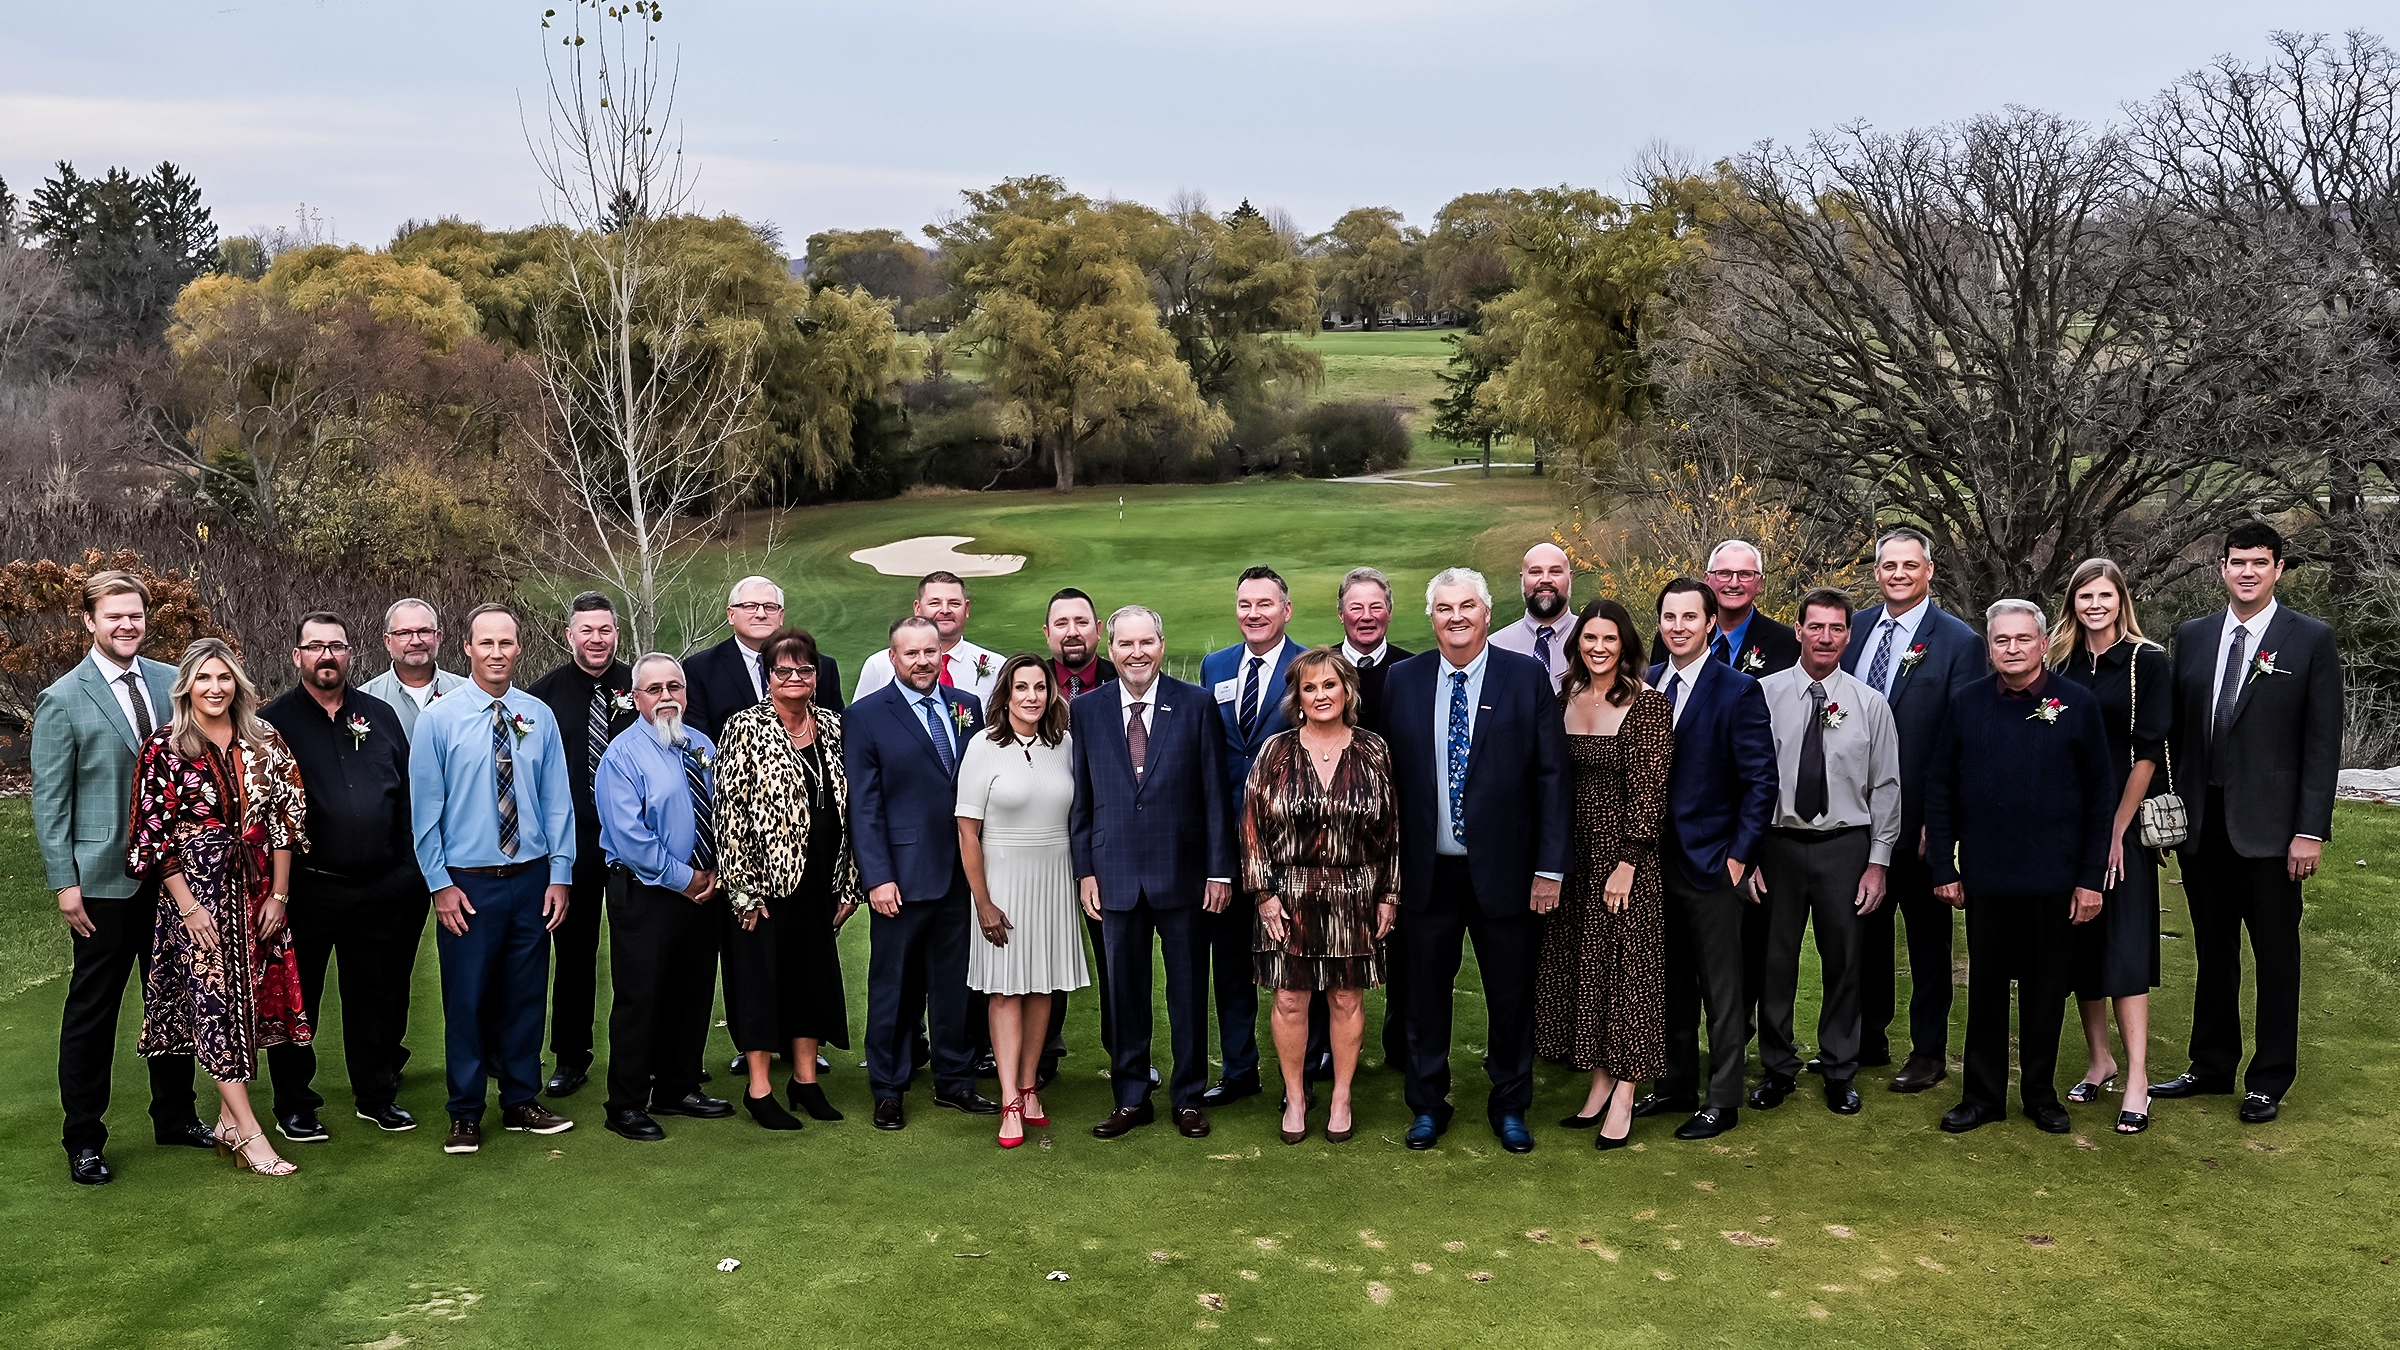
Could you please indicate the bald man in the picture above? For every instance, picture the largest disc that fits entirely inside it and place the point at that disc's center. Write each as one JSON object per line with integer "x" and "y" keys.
{"x": 1548, "y": 582}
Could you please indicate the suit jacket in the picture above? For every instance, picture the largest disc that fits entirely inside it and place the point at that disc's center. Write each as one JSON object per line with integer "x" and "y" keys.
{"x": 1721, "y": 791}
{"x": 903, "y": 803}
{"x": 387, "y": 687}
{"x": 1775, "y": 645}
{"x": 2026, "y": 807}
{"x": 1920, "y": 697}
{"x": 1517, "y": 790}
{"x": 83, "y": 770}
{"x": 718, "y": 686}
{"x": 1371, "y": 712}
{"x": 1221, "y": 674}
{"x": 1158, "y": 837}
{"x": 2283, "y": 749}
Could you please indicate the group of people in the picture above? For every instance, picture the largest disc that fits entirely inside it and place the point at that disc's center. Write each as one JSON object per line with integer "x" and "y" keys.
{"x": 1636, "y": 839}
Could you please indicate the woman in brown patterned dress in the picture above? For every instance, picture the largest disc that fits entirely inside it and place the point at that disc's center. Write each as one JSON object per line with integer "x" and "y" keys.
{"x": 216, "y": 814}
{"x": 1320, "y": 848}
{"x": 1600, "y": 998}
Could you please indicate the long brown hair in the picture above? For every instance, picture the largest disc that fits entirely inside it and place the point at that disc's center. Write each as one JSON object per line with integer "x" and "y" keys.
{"x": 1003, "y": 731}
{"x": 1293, "y": 714}
{"x": 1578, "y": 676}
{"x": 190, "y": 741}
{"x": 2067, "y": 635}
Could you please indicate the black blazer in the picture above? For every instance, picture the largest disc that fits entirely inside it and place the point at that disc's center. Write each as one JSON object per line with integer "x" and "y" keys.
{"x": 2028, "y": 805}
{"x": 1161, "y": 836}
{"x": 1722, "y": 786}
{"x": 1776, "y": 645}
{"x": 1920, "y": 695}
{"x": 2283, "y": 752}
{"x": 1371, "y": 712}
{"x": 719, "y": 687}
{"x": 1517, "y": 793}
{"x": 567, "y": 692}
{"x": 903, "y": 803}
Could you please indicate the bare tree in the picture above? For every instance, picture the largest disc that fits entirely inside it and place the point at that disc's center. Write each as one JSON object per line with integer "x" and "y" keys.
{"x": 650, "y": 401}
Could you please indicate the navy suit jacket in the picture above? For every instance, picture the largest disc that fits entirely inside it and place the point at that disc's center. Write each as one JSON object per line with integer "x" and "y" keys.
{"x": 1518, "y": 788}
{"x": 1160, "y": 837}
{"x": 717, "y": 687}
{"x": 903, "y": 804}
{"x": 1721, "y": 790}
{"x": 1920, "y": 696}
{"x": 1217, "y": 668}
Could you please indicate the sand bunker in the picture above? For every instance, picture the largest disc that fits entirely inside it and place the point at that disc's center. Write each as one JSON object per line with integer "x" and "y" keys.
{"x": 937, "y": 553}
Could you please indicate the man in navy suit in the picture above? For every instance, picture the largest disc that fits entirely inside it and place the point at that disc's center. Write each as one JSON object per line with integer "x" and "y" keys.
{"x": 1912, "y": 652}
{"x": 1246, "y": 679}
{"x": 727, "y": 678}
{"x": 1479, "y": 755}
{"x": 1720, "y": 799}
{"x": 902, "y": 746}
{"x": 1152, "y": 841}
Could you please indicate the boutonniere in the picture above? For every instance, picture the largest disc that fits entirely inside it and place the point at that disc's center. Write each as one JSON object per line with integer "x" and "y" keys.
{"x": 358, "y": 729}
{"x": 983, "y": 667}
{"x": 1752, "y": 662}
{"x": 520, "y": 726}
{"x": 1910, "y": 658}
{"x": 2263, "y": 664}
{"x": 2048, "y": 711}
{"x": 701, "y": 756}
{"x": 962, "y": 718}
{"x": 1834, "y": 717}
{"x": 620, "y": 700}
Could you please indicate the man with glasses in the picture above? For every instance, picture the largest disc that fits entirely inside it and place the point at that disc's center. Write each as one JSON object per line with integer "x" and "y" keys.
{"x": 412, "y": 634}
{"x": 1757, "y": 646}
{"x": 727, "y": 678}
{"x": 1548, "y": 580}
{"x": 1365, "y": 602}
{"x": 357, "y": 896}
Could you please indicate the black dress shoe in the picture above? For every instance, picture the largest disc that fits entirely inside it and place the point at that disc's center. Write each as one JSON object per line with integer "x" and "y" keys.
{"x": 1841, "y": 1098}
{"x": 694, "y": 1103}
{"x": 2258, "y": 1108}
{"x": 986, "y": 1066}
{"x": 1920, "y": 1073}
{"x": 1512, "y": 1133}
{"x": 2189, "y": 1084}
{"x": 809, "y": 1097}
{"x": 970, "y": 1101}
{"x": 770, "y": 1114}
{"x": 1230, "y": 1090}
{"x": 192, "y": 1135}
{"x": 1044, "y": 1074}
{"x": 1124, "y": 1119}
{"x": 1770, "y": 1094}
{"x": 1665, "y": 1104}
{"x": 634, "y": 1125}
{"x": 302, "y": 1128}
{"x": 1423, "y": 1133}
{"x": 887, "y": 1114}
{"x": 2050, "y": 1118}
{"x": 387, "y": 1117}
{"x": 85, "y": 1167}
{"x": 1815, "y": 1064}
{"x": 1873, "y": 1059}
{"x": 1964, "y": 1117}
{"x": 1190, "y": 1123}
{"x": 1708, "y": 1122}
{"x": 567, "y": 1082}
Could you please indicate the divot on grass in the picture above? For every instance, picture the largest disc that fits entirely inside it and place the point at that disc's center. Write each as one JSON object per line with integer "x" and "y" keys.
{"x": 2041, "y": 1242}
{"x": 1743, "y": 1237}
{"x": 1481, "y": 1277}
{"x": 1538, "y": 1234}
{"x": 1420, "y": 1267}
{"x": 1213, "y": 1302}
{"x": 1841, "y": 1230}
{"x": 1379, "y": 1293}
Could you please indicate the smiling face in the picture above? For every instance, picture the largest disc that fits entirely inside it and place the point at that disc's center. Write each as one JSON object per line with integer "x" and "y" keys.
{"x": 1323, "y": 699}
{"x": 1461, "y": 622}
{"x": 1547, "y": 580}
{"x": 1598, "y": 647}
{"x": 1903, "y": 573}
{"x": 1735, "y": 576}
{"x": 1136, "y": 647}
{"x": 1262, "y": 610}
{"x": 944, "y": 602}
{"x": 213, "y": 690}
{"x": 1367, "y": 615}
{"x": 756, "y": 612}
{"x": 1683, "y": 625}
{"x": 1070, "y": 630}
{"x": 658, "y": 692}
{"x": 917, "y": 656}
{"x": 323, "y": 656}
{"x": 1028, "y": 699}
{"x": 2097, "y": 605}
{"x": 492, "y": 651}
{"x": 2250, "y": 575}
{"x": 118, "y": 624}
{"x": 592, "y": 636}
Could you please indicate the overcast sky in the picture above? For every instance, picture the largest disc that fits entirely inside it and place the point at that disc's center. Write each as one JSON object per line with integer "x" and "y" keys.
{"x": 818, "y": 115}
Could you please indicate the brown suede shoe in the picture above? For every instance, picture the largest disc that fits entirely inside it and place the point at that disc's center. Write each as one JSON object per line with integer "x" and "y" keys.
{"x": 1191, "y": 1124}
{"x": 1122, "y": 1121}
{"x": 535, "y": 1118}
{"x": 1920, "y": 1073}
{"x": 466, "y": 1136}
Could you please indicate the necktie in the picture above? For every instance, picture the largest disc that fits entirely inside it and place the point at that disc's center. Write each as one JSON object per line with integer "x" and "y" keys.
{"x": 1882, "y": 664}
{"x": 1809, "y": 796}
{"x": 1674, "y": 692}
{"x": 1137, "y": 739}
{"x": 595, "y": 736}
{"x": 1456, "y": 766}
{"x": 931, "y": 707}
{"x": 2231, "y": 692}
{"x": 504, "y": 778}
{"x": 757, "y": 663}
{"x": 704, "y": 813}
{"x": 1249, "y": 709}
{"x": 1365, "y": 664}
{"x": 946, "y": 672}
{"x": 142, "y": 725}
{"x": 1541, "y": 645}
{"x": 1722, "y": 649}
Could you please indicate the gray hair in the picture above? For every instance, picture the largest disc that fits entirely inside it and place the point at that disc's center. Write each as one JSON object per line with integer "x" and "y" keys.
{"x": 1458, "y": 576}
{"x": 1905, "y": 535}
{"x": 746, "y": 583}
{"x": 1360, "y": 576}
{"x": 649, "y": 658}
{"x": 398, "y": 605}
{"x": 1157, "y": 624}
{"x": 1756, "y": 556}
{"x": 2015, "y": 606}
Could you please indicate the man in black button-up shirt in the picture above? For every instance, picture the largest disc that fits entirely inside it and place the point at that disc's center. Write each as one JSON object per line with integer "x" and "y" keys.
{"x": 591, "y": 694}
{"x": 356, "y": 893}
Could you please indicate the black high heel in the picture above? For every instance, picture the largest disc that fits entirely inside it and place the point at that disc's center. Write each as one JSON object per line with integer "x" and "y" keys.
{"x": 769, "y": 1113}
{"x": 2084, "y": 1094}
{"x": 809, "y": 1097}
{"x": 1603, "y": 1143}
{"x": 1582, "y": 1122}
{"x": 2132, "y": 1122}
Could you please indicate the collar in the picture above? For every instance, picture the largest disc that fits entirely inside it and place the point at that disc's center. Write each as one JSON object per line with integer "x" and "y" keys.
{"x": 1910, "y": 617}
{"x": 1355, "y": 655}
{"x": 1693, "y": 667}
{"x": 1126, "y": 698}
{"x": 1269, "y": 656}
{"x": 1564, "y": 621}
{"x": 2256, "y": 623}
{"x": 1733, "y": 636}
{"x": 485, "y": 696}
{"x": 2035, "y": 690}
{"x": 917, "y": 700}
{"x": 109, "y": 669}
{"x": 1473, "y": 670}
{"x": 1085, "y": 672}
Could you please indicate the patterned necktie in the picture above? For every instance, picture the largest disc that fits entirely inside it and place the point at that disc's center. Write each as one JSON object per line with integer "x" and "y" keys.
{"x": 142, "y": 726}
{"x": 595, "y": 736}
{"x": 930, "y": 706}
{"x": 1456, "y": 767}
{"x": 1137, "y": 739}
{"x": 2230, "y": 693}
{"x": 1249, "y": 710}
{"x": 1541, "y": 646}
{"x": 504, "y": 778}
{"x": 1810, "y": 795}
{"x": 704, "y": 812}
{"x": 1882, "y": 664}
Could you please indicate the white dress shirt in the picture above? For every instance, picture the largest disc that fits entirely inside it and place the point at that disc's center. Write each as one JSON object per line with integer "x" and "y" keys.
{"x": 115, "y": 675}
{"x": 1682, "y": 678}
{"x": 963, "y": 660}
{"x": 1443, "y": 840}
{"x": 1359, "y": 658}
{"x": 2254, "y": 630}
{"x": 1904, "y": 636}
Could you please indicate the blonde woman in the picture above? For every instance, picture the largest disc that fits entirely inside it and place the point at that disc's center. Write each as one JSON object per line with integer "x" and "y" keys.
{"x": 217, "y": 808}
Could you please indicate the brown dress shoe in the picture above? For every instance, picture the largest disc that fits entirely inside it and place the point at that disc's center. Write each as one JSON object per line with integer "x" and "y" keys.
{"x": 1121, "y": 1121}
{"x": 535, "y": 1118}
{"x": 466, "y": 1136}
{"x": 1191, "y": 1124}
{"x": 1920, "y": 1073}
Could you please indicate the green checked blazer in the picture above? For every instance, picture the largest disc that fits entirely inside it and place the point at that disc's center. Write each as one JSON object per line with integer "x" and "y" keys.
{"x": 83, "y": 757}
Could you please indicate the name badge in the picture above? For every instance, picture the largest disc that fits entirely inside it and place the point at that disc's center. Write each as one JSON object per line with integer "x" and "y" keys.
{"x": 1228, "y": 690}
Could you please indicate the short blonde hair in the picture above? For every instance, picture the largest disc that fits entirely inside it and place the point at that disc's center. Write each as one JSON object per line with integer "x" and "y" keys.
{"x": 100, "y": 585}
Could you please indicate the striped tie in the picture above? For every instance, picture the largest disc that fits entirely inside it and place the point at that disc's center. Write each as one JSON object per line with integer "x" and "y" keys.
{"x": 1249, "y": 710}
{"x": 504, "y": 777}
{"x": 704, "y": 812}
{"x": 595, "y": 738}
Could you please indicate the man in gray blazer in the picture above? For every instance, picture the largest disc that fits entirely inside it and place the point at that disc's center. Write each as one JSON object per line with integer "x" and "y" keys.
{"x": 87, "y": 728}
{"x": 412, "y": 633}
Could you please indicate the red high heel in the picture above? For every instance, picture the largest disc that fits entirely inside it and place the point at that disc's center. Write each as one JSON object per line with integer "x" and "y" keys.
{"x": 1041, "y": 1122}
{"x": 1013, "y": 1109}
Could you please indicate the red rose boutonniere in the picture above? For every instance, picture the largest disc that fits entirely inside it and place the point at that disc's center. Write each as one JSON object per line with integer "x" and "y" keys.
{"x": 2047, "y": 712}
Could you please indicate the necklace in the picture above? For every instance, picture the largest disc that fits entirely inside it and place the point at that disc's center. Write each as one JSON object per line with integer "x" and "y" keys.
{"x": 1327, "y": 756}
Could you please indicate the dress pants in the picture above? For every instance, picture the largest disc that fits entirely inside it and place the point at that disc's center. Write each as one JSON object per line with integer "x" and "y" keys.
{"x": 1758, "y": 923}
{"x": 2227, "y": 891}
{"x": 1127, "y": 933}
{"x": 1908, "y": 898}
{"x": 1234, "y": 971}
{"x": 494, "y": 977}
{"x": 2031, "y": 939}
{"x": 1812, "y": 874}
{"x": 1507, "y": 952}
{"x": 575, "y": 947}
{"x": 1704, "y": 970}
{"x": 87, "y": 1033}
{"x": 917, "y": 971}
{"x": 661, "y": 958}
{"x": 1395, "y": 1007}
{"x": 372, "y": 927}
{"x": 1058, "y": 1003}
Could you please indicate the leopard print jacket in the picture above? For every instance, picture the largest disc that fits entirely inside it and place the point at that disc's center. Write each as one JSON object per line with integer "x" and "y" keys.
{"x": 762, "y": 809}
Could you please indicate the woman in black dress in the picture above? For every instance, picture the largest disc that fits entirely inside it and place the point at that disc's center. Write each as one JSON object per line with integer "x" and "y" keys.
{"x": 2098, "y": 643}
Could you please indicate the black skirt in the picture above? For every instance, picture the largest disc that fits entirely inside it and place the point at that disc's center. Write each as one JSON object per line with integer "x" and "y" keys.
{"x": 2116, "y": 954}
{"x": 783, "y": 979}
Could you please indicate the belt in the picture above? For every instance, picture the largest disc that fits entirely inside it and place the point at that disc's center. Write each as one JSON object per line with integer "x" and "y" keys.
{"x": 513, "y": 869}
{"x": 1800, "y": 836}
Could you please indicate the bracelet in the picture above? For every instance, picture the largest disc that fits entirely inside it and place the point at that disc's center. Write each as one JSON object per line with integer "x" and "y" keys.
{"x": 187, "y": 913}
{"x": 280, "y": 898}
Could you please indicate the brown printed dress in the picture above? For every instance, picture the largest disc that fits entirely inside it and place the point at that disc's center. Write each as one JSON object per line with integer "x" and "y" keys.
{"x": 1331, "y": 853}
{"x": 218, "y": 820}
{"x": 1600, "y": 995}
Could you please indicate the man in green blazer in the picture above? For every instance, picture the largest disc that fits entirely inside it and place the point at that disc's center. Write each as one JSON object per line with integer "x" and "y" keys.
{"x": 87, "y": 729}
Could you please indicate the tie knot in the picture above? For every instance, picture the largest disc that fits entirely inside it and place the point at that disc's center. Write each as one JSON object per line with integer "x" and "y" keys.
{"x": 1546, "y": 632}
{"x": 2239, "y": 631}
{"x": 1816, "y": 689}
{"x": 1458, "y": 677}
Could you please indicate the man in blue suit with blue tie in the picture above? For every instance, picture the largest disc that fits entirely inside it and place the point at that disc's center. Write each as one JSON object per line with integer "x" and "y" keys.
{"x": 1479, "y": 757}
{"x": 1246, "y": 679}
{"x": 901, "y": 749}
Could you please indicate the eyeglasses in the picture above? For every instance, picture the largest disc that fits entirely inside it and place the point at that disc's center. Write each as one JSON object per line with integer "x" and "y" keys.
{"x": 326, "y": 648}
{"x": 415, "y": 634}
{"x": 793, "y": 674}
{"x": 660, "y": 690}
{"x": 757, "y": 607}
{"x": 1728, "y": 574}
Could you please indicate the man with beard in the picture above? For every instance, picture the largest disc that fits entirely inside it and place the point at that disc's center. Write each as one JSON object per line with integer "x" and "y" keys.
{"x": 1548, "y": 581}
{"x": 1071, "y": 628}
{"x": 657, "y": 796}
{"x": 412, "y": 637}
{"x": 356, "y": 895}
{"x": 941, "y": 600}
{"x": 1365, "y": 602}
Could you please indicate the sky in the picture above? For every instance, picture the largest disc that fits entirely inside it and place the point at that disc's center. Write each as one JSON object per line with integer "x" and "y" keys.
{"x": 368, "y": 113}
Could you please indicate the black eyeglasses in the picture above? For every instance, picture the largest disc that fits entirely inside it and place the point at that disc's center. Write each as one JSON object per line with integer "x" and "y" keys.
{"x": 793, "y": 674}
{"x": 660, "y": 690}
{"x": 325, "y": 648}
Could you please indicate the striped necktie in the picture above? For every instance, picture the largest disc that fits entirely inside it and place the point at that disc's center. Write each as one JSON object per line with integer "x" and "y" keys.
{"x": 595, "y": 737}
{"x": 504, "y": 778}
{"x": 704, "y": 811}
{"x": 1249, "y": 709}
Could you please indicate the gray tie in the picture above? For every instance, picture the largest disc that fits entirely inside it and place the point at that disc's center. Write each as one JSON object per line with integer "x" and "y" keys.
{"x": 2230, "y": 693}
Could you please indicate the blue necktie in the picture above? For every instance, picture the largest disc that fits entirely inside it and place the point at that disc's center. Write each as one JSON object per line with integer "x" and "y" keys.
{"x": 1457, "y": 764}
{"x": 1882, "y": 664}
{"x": 940, "y": 734}
{"x": 1249, "y": 710}
{"x": 704, "y": 811}
{"x": 1673, "y": 690}
{"x": 1724, "y": 650}
{"x": 1541, "y": 645}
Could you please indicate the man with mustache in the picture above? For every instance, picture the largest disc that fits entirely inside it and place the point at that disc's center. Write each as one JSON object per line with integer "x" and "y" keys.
{"x": 1071, "y": 628}
{"x": 1548, "y": 581}
{"x": 1365, "y": 601}
{"x": 657, "y": 797}
{"x": 412, "y": 637}
{"x": 357, "y": 896}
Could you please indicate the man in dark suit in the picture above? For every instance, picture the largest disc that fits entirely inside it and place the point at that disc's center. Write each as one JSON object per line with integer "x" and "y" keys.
{"x": 726, "y": 678}
{"x": 2258, "y": 702}
{"x": 1912, "y": 652}
{"x": 1246, "y": 680}
{"x": 902, "y": 747}
{"x": 1756, "y": 645}
{"x": 1365, "y": 602}
{"x": 2020, "y": 804}
{"x": 1479, "y": 756}
{"x": 1071, "y": 629}
{"x": 1154, "y": 854}
{"x": 1720, "y": 799}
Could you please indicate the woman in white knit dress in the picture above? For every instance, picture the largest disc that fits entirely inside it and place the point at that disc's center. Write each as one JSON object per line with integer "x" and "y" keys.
{"x": 1015, "y": 787}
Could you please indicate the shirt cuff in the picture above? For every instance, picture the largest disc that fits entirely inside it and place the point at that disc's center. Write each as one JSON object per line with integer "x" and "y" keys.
{"x": 2317, "y": 838}
{"x": 1879, "y": 855}
{"x": 1220, "y": 881}
{"x": 1552, "y": 876}
{"x": 562, "y": 869}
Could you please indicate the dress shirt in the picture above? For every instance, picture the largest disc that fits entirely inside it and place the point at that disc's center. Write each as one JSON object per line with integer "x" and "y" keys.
{"x": 1733, "y": 638}
{"x": 1520, "y": 636}
{"x": 2254, "y": 629}
{"x": 411, "y": 702}
{"x": 1444, "y": 839}
{"x": 114, "y": 674}
{"x": 1903, "y": 637}
{"x": 1683, "y": 677}
{"x": 961, "y": 661}
{"x": 568, "y": 692}
{"x": 1126, "y": 698}
{"x": 1358, "y": 658}
{"x": 1862, "y": 756}
{"x": 1076, "y": 681}
{"x": 453, "y": 797}
{"x": 356, "y": 786}
{"x": 645, "y": 798}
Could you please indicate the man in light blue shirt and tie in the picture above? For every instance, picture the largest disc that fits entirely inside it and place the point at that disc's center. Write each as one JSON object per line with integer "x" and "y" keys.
{"x": 495, "y": 835}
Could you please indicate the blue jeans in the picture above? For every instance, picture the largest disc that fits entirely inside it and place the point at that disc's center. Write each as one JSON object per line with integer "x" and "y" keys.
{"x": 495, "y": 981}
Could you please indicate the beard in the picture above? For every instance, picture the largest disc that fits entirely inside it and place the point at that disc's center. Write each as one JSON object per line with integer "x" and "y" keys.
{"x": 327, "y": 675}
{"x": 1545, "y": 603}
{"x": 1074, "y": 652}
{"x": 666, "y": 726}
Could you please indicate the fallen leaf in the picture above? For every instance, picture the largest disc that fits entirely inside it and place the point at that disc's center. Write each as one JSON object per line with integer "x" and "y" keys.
{"x": 1722, "y": 1150}
{"x": 2040, "y": 1242}
{"x": 1664, "y": 1274}
{"x": 1268, "y": 1243}
{"x": 1247, "y": 1274}
{"x": 1538, "y": 1234}
{"x": 1647, "y": 1214}
{"x": 2262, "y": 1146}
{"x": 729, "y": 1264}
{"x": 1481, "y": 1277}
{"x": 1380, "y": 1293}
{"x": 1743, "y": 1237}
{"x": 1213, "y": 1302}
{"x": 1840, "y": 1230}
{"x": 2082, "y": 1142}
{"x": 1367, "y": 1236}
{"x": 1058, "y": 1275}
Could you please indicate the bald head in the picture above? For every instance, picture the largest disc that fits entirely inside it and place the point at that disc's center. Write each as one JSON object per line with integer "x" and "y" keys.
{"x": 1548, "y": 581}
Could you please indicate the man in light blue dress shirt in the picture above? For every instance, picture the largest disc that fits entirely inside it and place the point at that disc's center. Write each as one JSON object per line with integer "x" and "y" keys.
{"x": 495, "y": 835}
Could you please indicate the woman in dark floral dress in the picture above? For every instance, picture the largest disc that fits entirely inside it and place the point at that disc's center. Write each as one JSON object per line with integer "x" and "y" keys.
{"x": 216, "y": 814}
{"x": 1320, "y": 849}
{"x": 1600, "y": 999}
